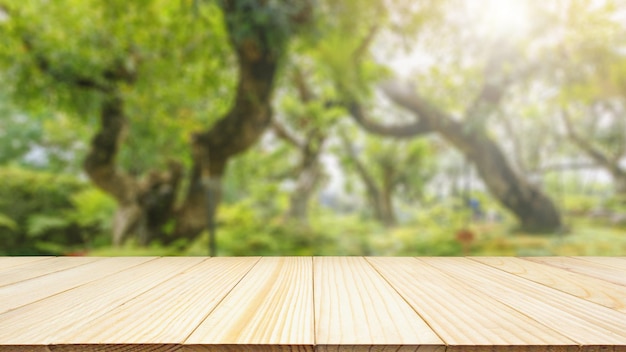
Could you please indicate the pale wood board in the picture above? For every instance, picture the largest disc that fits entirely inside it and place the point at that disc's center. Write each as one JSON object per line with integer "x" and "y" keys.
{"x": 462, "y": 316}
{"x": 593, "y": 269}
{"x": 24, "y": 292}
{"x": 380, "y": 348}
{"x": 113, "y": 348}
{"x": 355, "y": 307}
{"x": 42, "y": 322}
{"x": 247, "y": 348}
{"x": 616, "y": 262}
{"x": 271, "y": 305}
{"x": 8, "y": 262}
{"x": 233, "y": 304}
{"x": 595, "y": 290}
{"x": 587, "y": 323}
{"x": 41, "y": 267}
{"x": 169, "y": 312}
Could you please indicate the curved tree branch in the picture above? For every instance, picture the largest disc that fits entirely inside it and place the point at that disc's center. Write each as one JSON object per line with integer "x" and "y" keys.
{"x": 595, "y": 153}
{"x": 368, "y": 179}
{"x": 410, "y": 130}
{"x": 282, "y": 133}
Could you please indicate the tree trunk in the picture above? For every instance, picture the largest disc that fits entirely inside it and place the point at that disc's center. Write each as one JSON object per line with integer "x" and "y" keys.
{"x": 535, "y": 211}
{"x": 143, "y": 206}
{"x": 610, "y": 163}
{"x": 258, "y": 54}
{"x": 387, "y": 213}
{"x": 146, "y": 205}
{"x": 308, "y": 180}
{"x": 380, "y": 198}
{"x": 619, "y": 182}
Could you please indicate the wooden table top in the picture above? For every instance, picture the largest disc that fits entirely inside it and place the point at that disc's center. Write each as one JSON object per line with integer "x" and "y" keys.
{"x": 313, "y": 304}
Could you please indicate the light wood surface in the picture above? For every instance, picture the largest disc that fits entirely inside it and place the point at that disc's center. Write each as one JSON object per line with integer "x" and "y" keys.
{"x": 461, "y": 315}
{"x": 586, "y": 287}
{"x": 186, "y": 299}
{"x": 272, "y": 304}
{"x": 354, "y": 305}
{"x": 42, "y": 322}
{"x": 38, "y": 268}
{"x": 585, "y": 322}
{"x": 28, "y": 291}
{"x": 8, "y": 262}
{"x": 617, "y": 262}
{"x": 585, "y": 267}
{"x": 305, "y": 304}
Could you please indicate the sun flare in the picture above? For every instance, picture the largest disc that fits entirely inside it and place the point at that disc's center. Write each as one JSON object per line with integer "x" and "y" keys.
{"x": 505, "y": 17}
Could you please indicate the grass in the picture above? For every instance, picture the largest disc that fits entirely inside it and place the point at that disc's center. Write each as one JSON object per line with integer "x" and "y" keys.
{"x": 586, "y": 239}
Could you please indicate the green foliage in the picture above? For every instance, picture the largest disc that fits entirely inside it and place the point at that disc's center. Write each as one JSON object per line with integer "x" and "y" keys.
{"x": 38, "y": 225}
{"x": 92, "y": 209}
{"x": 246, "y": 179}
{"x": 271, "y": 236}
{"x": 181, "y": 79}
{"x": 176, "y": 59}
{"x": 7, "y": 223}
{"x": 268, "y": 23}
{"x": 408, "y": 163}
{"x": 34, "y": 204}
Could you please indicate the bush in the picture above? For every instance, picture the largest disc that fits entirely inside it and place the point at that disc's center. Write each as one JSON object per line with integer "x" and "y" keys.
{"x": 45, "y": 213}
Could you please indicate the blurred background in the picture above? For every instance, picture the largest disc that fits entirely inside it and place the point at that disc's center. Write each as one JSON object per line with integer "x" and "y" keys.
{"x": 313, "y": 127}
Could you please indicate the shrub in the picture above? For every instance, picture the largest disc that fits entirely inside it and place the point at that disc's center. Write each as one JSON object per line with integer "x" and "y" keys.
{"x": 45, "y": 213}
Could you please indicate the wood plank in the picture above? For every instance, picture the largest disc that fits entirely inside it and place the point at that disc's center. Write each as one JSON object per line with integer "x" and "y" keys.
{"x": 272, "y": 305}
{"x": 42, "y": 322}
{"x": 41, "y": 267}
{"x": 7, "y": 262}
{"x": 246, "y": 348}
{"x": 616, "y": 262}
{"x": 115, "y": 348}
{"x": 380, "y": 348}
{"x": 595, "y": 290}
{"x": 186, "y": 299}
{"x": 462, "y": 316}
{"x": 25, "y": 292}
{"x": 357, "y": 309}
{"x": 597, "y": 270}
{"x": 589, "y": 324}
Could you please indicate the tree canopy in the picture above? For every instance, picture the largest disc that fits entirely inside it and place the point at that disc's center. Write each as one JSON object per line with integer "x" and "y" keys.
{"x": 152, "y": 100}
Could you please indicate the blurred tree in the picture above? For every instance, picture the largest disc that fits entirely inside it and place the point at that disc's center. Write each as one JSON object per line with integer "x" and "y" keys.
{"x": 305, "y": 124}
{"x": 473, "y": 89}
{"x": 389, "y": 170}
{"x": 602, "y": 138}
{"x": 591, "y": 75}
{"x": 116, "y": 59}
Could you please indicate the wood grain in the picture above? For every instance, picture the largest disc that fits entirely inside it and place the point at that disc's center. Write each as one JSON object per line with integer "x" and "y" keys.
{"x": 42, "y": 322}
{"x": 247, "y": 348}
{"x": 8, "y": 262}
{"x": 38, "y": 268}
{"x": 616, "y": 262}
{"x": 593, "y": 269}
{"x": 167, "y": 313}
{"x": 114, "y": 348}
{"x": 313, "y": 304}
{"x": 380, "y": 348}
{"x": 356, "y": 308}
{"x": 460, "y": 315}
{"x": 271, "y": 305}
{"x": 586, "y": 323}
{"x": 595, "y": 290}
{"x": 25, "y": 292}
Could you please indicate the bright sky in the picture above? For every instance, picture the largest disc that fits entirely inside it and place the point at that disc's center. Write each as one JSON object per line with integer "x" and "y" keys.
{"x": 508, "y": 17}
{"x": 490, "y": 18}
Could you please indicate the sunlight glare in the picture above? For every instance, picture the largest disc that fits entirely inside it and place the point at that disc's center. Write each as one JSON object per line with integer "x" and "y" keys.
{"x": 506, "y": 17}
